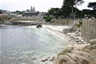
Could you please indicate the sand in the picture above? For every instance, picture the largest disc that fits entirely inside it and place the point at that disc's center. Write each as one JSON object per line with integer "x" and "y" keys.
{"x": 57, "y": 30}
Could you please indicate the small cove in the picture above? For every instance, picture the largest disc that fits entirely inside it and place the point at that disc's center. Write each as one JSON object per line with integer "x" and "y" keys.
{"x": 28, "y": 44}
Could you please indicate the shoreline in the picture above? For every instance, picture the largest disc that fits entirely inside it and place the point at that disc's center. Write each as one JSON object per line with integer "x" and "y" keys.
{"x": 57, "y": 31}
{"x": 77, "y": 52}
{"x": 68, "y": 37}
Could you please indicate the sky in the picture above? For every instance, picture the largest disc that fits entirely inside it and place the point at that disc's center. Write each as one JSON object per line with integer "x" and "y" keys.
{"x": 40, "y": 5}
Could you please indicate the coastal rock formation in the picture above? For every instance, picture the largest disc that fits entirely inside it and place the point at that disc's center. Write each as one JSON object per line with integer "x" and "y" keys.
{"x": 39, "y": 26}
{"x": 73, "y": 27}
{"x": 67, "y": 30}
{"x": 93, "y": 41}
{"x": 87, "y": 55}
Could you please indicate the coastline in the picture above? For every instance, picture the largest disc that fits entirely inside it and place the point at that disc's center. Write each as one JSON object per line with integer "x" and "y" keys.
{"x": 73, "y": 44}
{"x": 77, "y": 52}
{"x": 57, "y": 30}
{"x": 68, "y": 37}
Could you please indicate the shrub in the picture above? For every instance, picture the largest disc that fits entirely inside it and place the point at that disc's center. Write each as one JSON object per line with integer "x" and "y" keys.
{"x": 80, "y": 23}
{"x": 64, "y": 54}
{"x": 48, "y": 19}
{"x": 51, "y": 21}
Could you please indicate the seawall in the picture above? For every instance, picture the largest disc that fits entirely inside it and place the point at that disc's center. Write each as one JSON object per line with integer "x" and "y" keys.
{"x": 88, "y": 29}
{"x": 62, "y": 21}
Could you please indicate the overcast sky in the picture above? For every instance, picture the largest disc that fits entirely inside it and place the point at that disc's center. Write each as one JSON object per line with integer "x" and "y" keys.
{"x": 40, "y": 5}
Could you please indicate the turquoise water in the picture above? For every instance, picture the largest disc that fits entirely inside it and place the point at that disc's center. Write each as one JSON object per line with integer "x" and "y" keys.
{"x": 28, "y": 44}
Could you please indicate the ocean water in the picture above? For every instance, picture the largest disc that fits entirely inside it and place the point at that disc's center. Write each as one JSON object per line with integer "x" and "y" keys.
{"x": 28, "y": 44}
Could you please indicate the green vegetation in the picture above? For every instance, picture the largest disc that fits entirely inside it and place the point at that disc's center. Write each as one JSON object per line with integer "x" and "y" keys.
{"x": 80, "y": 23}
{"x": 48, "y": 19}
{"x": 0, "y": 12}
{"x": 51, "y": 21}
{"x": 93, "y": 5}
{"x": 70, "y": 10}
{"x": 55, "y": 12}
{"x": 64, "y": 54}
{"x": 69, "y": 7}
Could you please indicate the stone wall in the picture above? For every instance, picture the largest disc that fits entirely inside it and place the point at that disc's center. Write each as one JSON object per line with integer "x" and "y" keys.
{"x": 88, "y": 29}
{"x": 26, "y": 18}
{"x": 62, "y": 21}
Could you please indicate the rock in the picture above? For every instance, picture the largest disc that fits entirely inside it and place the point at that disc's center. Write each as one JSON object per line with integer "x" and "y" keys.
{"x": 44, "y": 60}
{"x": 77, "y": 31}
{"x": 93, "y": 41}
{"x": 39, "y": 26}
{"x": 52, "y": 58}
{"x": 67, "y": 49}
{"x": 92, "y": 47}
{"x": 77, "y": 41}
{"x": 63, "y": 59}
{"x": 79, "y": 58}
{"x": 67, "y": 30}
{"x": 76, "y": 57}
{"x": 81, "y": 54}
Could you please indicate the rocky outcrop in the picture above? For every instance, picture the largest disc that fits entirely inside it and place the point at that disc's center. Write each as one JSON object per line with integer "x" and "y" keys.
{"x": 93, "y": 41}
{"x": 39, "y": 26}
{"x": 73, "y": 27}
{"x": 87, "y": 55}
{"x": 67, "y": 30}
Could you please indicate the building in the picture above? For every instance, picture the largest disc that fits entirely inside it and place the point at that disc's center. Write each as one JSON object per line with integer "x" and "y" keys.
{"x": 31, "y": 12}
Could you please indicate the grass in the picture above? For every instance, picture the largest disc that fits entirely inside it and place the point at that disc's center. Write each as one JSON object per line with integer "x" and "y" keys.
{"x": 64, "y": 54}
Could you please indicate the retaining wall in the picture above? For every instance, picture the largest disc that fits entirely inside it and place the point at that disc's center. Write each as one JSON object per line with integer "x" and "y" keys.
{"x": 88, "y": 29}
{"x": 62, "y": 21}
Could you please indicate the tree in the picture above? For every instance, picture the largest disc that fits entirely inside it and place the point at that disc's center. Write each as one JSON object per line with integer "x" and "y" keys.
{"x": 51, "y": 11}
{"x": 18, "y": 12}
{"x": 71, "y": 5}
{"x": 27, "y": 10}
{"x": 93, "y": 5}
{"x": 87, "y": 12}
{"x": 23, "y": 12}
{"x": 66, "y": 11}
{"x": 54, "y": 12}
{"x": 0, "y": 12}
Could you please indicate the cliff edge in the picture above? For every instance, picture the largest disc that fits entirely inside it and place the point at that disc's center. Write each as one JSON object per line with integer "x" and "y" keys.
{"x": 86, "y": 55}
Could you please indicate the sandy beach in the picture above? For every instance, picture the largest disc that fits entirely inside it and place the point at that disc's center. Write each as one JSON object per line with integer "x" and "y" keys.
{"x": 57, "y": 30}
{"x": 71, "y": 38}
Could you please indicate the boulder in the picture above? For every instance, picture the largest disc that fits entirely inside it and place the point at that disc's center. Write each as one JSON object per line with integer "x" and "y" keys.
{"x": 93, "y": 41}
{"x": 44, "y": 60}
{"x": 63, "y": 59}
{"x": 91, "y": 47}
{"x": 39, "y": 26}
{"x": 73, "y": 58}
{"x": 67, "y": 30}
{"x": 52, "y": 58}
{"x": 67, "y": 49}
{"x": 79, "y": 57}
